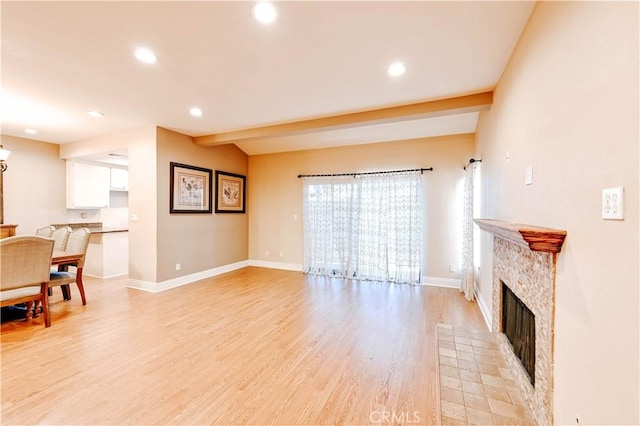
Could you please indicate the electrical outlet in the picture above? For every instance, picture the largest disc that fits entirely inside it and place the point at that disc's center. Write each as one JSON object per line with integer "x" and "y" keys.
{"x": 281, "y": 254}
{"x": 613, "y": 203}
{"x": 177, "y": 266}
{"x": 266, "y": 253}
{"x": 452, "y": 268}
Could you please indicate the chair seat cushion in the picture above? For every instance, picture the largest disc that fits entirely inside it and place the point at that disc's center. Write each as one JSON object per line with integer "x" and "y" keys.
{"x": 61, "y": 278}
{"x": 18, "y": 293}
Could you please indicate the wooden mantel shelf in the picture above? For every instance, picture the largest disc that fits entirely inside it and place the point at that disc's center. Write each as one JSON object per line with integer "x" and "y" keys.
{"x": 534, "y": 238}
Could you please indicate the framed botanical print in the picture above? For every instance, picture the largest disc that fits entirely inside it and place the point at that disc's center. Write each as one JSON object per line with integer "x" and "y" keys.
{"x": 230, "y": 192}
{"x": 190, "y": 189}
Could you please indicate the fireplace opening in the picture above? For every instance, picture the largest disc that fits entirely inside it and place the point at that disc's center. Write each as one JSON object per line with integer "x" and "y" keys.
{"x": 518, "y": 323}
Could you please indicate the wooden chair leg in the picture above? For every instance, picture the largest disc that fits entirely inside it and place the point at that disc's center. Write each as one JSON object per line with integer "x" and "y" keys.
{"x": 37, "y": 305}
{"x": 80, "y": 286}
{"x": 66, "y": 292}
{"x": 30, "y": 313}
{"x": 45, "y": 304}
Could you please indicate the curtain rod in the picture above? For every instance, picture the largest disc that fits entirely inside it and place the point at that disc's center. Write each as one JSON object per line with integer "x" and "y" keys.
{"x": 471, "y": 161}
{"x": 370, "y": 173}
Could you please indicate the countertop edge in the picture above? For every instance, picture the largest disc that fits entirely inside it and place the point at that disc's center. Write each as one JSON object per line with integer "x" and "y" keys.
{"x": 106, "y": 230}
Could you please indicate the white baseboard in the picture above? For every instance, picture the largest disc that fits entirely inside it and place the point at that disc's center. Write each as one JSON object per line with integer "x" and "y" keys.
{"x": 442, "y": 282}
{"x": 185, "y": 279}
{"x": 484, "y": 309}
{"x": 275, "y": 265}
{"x": 142, "y": 285}
{"x": 188, "y": 279}
{"x": 106, "y": 278}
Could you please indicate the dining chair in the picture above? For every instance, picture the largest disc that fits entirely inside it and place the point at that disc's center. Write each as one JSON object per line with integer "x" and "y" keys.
{"x": 78, "y": 242}
{"x": 61, "y": 235}
{"x": 25, "y": 262}
{"x": 45, "y": 231}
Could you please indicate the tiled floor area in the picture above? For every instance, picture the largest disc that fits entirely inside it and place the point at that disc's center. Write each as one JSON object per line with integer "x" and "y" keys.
{"x": 476, "y": 387}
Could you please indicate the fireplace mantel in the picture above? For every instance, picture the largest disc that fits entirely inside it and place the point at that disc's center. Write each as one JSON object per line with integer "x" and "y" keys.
{"x": 535, "y": 238}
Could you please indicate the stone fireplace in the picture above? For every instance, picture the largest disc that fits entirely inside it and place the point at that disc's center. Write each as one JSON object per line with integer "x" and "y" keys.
{"x": 524, "y": 261}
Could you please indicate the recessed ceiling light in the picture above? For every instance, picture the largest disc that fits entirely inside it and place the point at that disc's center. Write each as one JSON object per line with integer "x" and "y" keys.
{"x": 145, "y": 55}
{"x": 31, "y": 131}
{"x": 196, "y": 112}
{"x": 97, "y": 114}
{"x": 265, "y": 12}
{"x": 396, "y": 69}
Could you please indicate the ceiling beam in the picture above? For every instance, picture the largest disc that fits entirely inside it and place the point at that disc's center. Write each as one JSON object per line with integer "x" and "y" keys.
{"x": 449, "y": 106}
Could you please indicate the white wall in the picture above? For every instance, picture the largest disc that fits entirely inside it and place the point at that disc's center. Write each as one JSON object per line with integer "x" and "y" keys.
{"x": 567, "y": 105}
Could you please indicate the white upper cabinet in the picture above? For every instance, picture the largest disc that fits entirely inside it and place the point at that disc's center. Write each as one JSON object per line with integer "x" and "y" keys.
{"x": 87, "y": 185}
{"x": 119, "y": 179}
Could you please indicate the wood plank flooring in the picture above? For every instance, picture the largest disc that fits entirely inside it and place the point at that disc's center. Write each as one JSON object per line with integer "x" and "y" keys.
{"x": 254, "y": 346}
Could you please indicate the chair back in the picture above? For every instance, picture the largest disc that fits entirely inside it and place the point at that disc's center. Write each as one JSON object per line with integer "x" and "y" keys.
{"x": 45, "y": 231}
{"x": 25, "y": 261}
{"x": 78, "y": 242}
{"x": 61, "y": 235}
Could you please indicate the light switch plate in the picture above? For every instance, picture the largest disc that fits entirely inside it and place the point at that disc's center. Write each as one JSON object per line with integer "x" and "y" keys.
{"x": 613, "y": 203}
{"x": 528, "y": 175}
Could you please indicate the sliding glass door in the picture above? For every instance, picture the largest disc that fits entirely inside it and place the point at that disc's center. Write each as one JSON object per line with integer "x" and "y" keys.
{"x": 365, "y": 227}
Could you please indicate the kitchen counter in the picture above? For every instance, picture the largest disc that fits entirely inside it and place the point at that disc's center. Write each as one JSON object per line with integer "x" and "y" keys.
{"x": 94, "y": 227}
{"x": 108, "y": 251}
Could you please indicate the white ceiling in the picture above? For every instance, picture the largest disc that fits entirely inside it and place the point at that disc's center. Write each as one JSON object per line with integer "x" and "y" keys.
{"x": 63, "y": 59}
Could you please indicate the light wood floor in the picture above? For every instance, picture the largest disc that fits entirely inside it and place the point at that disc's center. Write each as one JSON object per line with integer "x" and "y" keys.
{"x": 254, "y": 346}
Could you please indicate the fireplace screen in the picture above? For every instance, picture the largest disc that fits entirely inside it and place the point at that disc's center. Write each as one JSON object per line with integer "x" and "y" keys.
{"x": 518, "y": 323}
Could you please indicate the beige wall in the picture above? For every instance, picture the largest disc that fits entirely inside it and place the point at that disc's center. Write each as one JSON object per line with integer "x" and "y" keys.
{"x": 567, "y": 105}
{"x": 102, "y": 144}
{"x": 197, "y": 241}
{"x": 275, "y": 193}
{"x": 34, "y": 185}
{"x": 143, "y": 202}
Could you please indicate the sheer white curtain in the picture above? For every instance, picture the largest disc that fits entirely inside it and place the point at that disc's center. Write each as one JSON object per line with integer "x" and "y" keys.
{"x": 468, "y": 269}
{"x": 366, "y": 227}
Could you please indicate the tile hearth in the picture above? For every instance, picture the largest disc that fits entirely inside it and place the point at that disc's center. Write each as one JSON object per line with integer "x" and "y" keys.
{"x": 476, "y": 386}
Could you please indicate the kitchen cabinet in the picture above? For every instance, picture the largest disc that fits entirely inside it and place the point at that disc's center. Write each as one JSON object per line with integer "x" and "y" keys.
{"x": 87, "y": 185}
{"x": 119, "y": 179}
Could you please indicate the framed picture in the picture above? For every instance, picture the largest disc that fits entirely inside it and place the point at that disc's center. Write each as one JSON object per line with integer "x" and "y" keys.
{"x": 230, "y": 192}
{"x": 190, "y": 190}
